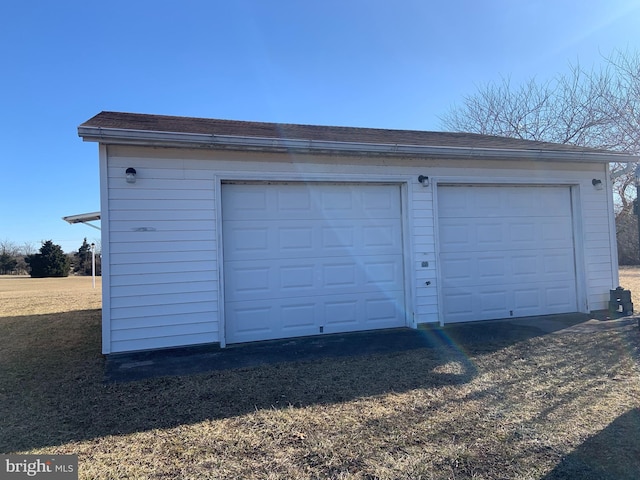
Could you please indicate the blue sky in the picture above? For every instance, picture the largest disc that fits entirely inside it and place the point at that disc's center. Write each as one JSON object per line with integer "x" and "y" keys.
{"x": 390, "y": 64}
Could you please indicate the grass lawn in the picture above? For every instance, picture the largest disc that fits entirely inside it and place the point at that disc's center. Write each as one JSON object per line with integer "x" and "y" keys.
{"x": 554, "y": 406}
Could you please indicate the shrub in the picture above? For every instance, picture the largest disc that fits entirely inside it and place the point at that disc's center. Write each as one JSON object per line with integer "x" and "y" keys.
{"x": 50, "y": 262}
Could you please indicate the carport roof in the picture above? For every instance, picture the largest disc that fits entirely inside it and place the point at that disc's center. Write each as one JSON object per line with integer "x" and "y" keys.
{"x": 163, "y": 130}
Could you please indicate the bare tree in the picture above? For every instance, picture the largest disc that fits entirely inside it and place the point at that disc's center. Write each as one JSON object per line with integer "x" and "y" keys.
{"x": 28, "y": 248}
{"x": 598, "y": 108}
{"x": 9, "y": 247}
{"x": 8, "y": 257}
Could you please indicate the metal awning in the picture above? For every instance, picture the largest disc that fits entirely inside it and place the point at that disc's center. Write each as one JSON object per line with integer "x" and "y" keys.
{"x": 83, "y": 218}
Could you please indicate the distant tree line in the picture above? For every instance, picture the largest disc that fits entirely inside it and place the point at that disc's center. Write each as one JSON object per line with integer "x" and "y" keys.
{"x": 12, "y": 258}
{"x": 48, "y": 261}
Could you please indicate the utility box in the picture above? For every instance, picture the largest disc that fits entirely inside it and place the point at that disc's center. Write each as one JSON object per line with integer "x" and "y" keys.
{"x": 620, "y": 301}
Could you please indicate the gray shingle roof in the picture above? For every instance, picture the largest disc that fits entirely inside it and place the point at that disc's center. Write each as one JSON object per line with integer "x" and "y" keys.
{"x": 145, "y": 124}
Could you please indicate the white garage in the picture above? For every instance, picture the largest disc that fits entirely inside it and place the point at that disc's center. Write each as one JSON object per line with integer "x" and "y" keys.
{"x": 506, "y": 251}
{"x": 222, "y": 232}
{"x": 305, "y": 259}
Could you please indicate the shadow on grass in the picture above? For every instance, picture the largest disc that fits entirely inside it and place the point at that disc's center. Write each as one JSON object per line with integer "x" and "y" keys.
{"x": 52, "y": 390}
{"x": 614, "y": 453}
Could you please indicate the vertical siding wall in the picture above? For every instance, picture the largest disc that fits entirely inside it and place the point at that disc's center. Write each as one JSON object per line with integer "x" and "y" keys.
{"x": 164, "y": 242}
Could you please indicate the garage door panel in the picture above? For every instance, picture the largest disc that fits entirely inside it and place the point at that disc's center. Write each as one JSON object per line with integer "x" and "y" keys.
{"x": 325, "y": 258}
{"x": 509, "y": 298}
{"x": 491, "y": 269}
{"x": 337, "y": 202}
{"x": 341, "y": 274}
{"x": 292, "y": 201}
{"x": 459, "y": 304}
{"x": 251, "y": 320}
{"x": 455, "y": 235}
{"x": 367, "y": 311}
{"x": 296, "y": 277}
{"x": 517, "y": 264}
{"x": 295, "y": 238}
{"x": 304, "y": 201}
{"x": 558, "y": 264}
{"x": 502, "y": 201}
{"x": 489, "y": 236}
{"x": 556, "y": 230}
{"x": 524, "y": 266}
{"x": 489, "y": 303}
{"x": 382, "y": 310}
{"x": 554, "y": 202}
{"x": 460, "y": 270}
{"x": 341, "y": 314}
{"x": 522, "y": 233}
{"x": 527, "y": 299}
{"x": 247, "y": 240}
{"x": 535, "y": 201}
{"x": 253, "y": 204}
{"x": 379, "y": 272}
{"x": 385, "y": 204}
{"x": 512, "y": 267}
{"x": 559, "y": 297}
{"x": 249, "y": 280}
{"x": 265, "y": 319}
{"x": 514, "y": 233}
{"x": 298, "y": 317}
{"x": 493, "y": 302}
{"x": 310, "y": 238}
{"x": 338, "y": 236}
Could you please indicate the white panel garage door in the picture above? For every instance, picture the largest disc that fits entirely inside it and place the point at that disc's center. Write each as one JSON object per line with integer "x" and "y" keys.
{"x": 303, "y": 259}
{"x": 506, "y": 251}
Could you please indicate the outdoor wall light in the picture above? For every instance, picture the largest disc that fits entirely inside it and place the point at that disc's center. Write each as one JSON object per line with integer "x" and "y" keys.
{"x": 424, "y": 180}
{"x": 597, "y": 184}
{"x": 130, "y": 175}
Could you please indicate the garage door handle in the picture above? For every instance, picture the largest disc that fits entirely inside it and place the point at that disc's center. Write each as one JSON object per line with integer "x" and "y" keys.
{"x": 428, "y": 282}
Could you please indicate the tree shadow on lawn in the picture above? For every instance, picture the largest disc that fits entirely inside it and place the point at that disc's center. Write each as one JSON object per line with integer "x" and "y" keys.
{"x": 614, "y": 453}
{"x": 52, "y": 390}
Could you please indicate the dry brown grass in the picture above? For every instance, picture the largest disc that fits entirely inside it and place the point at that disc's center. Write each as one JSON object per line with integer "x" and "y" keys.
{"x": 630, "y": 280}
{"x": 553, "y": 406}
{"x": 36, "y": 296}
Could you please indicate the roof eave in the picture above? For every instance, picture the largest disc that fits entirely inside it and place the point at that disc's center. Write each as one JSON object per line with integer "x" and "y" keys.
{"x": 82, "y": 218}
{"x": 117, "y": 136}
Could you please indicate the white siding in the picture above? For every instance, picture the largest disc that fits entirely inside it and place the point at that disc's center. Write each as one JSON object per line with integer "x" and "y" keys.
{"x": 163, "y": 239}
{"x": 423, "y": 243}
{"x": 163, "y": 271}
{"x": 600, "y": 251}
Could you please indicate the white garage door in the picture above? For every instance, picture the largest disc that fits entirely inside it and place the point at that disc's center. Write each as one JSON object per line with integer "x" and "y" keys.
{"x": 304, "y": 259}
{"x": 506, "y": 252}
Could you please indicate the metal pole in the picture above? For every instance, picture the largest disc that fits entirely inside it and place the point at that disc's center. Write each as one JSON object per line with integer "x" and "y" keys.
{"x": 93, "y": 264}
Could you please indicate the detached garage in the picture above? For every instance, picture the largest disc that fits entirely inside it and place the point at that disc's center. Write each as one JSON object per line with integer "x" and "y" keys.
{"x": 217, "y": 231}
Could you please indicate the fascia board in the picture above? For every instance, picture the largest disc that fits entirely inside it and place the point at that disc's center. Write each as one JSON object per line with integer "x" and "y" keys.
{"x": 195, "y": 140}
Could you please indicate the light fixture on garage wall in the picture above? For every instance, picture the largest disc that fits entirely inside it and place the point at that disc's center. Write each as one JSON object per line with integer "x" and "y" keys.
{"x": 424, "y": 180}
{"x": 130, "y": 175}
{"x": 597, "y": 184}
